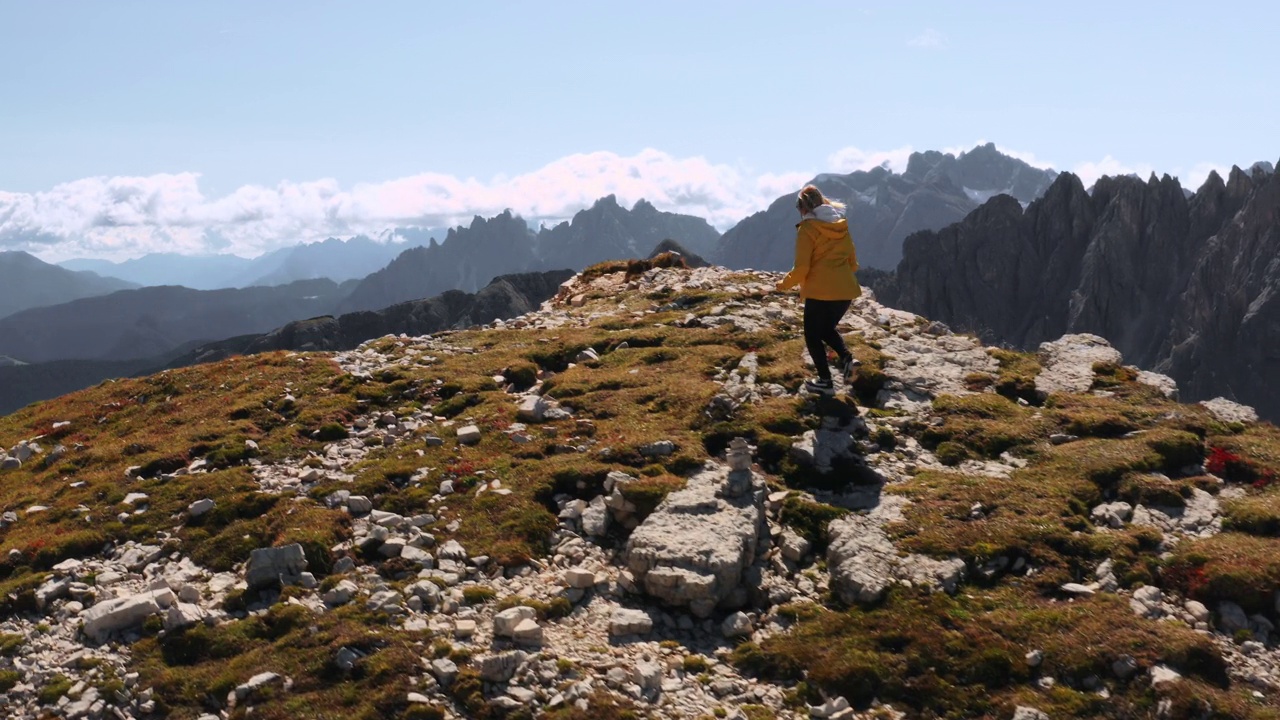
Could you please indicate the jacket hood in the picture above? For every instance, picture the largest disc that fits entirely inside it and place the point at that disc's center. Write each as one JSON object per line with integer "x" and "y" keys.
{"x": 825, "y": 213}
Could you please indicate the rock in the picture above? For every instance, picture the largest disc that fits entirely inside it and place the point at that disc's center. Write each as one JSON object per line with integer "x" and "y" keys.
{"x": 452, "y": 550}
{"x": 532, "y": 409}
{"x": 1228, "y": 411}
{"x": 1197, "y": 610}
{"x": 109, "y": 616}
{"x": 505, "y": 622}
{"x": 1231, "y": 618}
{"x": 346, "y": 658}
{"x": 579, "y": 578}
{"x": 623, "y": 621}
{"x": 1113, "y": 514}
{"x": 1125, "y": 667}
{"x": 10, "y": 463}
{"x": 1068, "y": 363}
{"x": 359, "y": 505}
{"x": 500, "y": 667}
{"x": 464, "y": 628}
{"x": 1034, "y": 658}
{"x": 1161, "y": 674}
{"x": 256, "y": 683}
{"x": 830, "y": 708}
{"x": 426, "y": 591}
{"x": 693, "y": 549}
{"x": 1022, "y": 712}
{"x": 1077, "y": 589}
{"x": 596, "y": 518}
{"x": 527, "y": 632}
{"x": 736, "y": 625}
{"x": 661, "y": 448}
{"x": 1146, "y": 601}
{"x": 468, "y": 434}
{"x": 648, "y": 675}
{"x": 863, "y": 561}
{"x": 340, "y": 594}
{"x": 794, "y": 547}
{"x": 444, "y": 670}
{"x": 183, "y": 614}
{"x": 200, "y": 507}
{"x": 268, "y": 566}
{"x": 388, "y": 601}
{"x": 1062, "y": 438}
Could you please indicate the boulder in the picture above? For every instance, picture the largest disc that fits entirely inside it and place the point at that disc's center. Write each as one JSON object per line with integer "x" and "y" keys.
{"x": 505, "y": 622}
{"x": 468, "y": 435}
{"x": 863, "y": 561}
{"x": 109, "y": 616}
{"x": 694, "y": 548}
{"x": 200, "y": 507}
{"x": 1068, "y": 363}
{"x": 624, "y": 621}
{"x": 268, "y": 566}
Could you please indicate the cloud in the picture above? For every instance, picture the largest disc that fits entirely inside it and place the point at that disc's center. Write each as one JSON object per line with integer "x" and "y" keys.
{"x": 1089, "y": 172}
{"x": 120, "y": 217}
{"x": 851, "y": 159}
{"x": 930, "y": 38}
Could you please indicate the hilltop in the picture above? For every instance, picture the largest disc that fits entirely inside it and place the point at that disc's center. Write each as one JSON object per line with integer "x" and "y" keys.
{"x": 552, "y": 516}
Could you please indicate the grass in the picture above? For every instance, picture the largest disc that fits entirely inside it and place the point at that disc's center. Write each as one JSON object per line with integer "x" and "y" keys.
{"x": 162, "y": 423}
{"x": 962, "y": 656}
{"x": 191, "y": 668}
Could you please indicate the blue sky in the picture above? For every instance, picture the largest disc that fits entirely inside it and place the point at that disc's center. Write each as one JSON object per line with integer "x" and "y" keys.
{"x": 135, "y": 126}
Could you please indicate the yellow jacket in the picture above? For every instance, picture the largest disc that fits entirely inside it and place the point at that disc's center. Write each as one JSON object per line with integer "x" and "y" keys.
{"x": 825, "y": 261}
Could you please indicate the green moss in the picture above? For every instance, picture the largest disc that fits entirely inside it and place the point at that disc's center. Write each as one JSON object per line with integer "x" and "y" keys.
{"x": 8, "y": 679}
{"x": 478, "y": 594}
{"x": 809, "y": 519}
{"x": 57, "y": 686}
{"x": 331, "y": 432}
{"x": 951, "y": 453}
{"x": 1017, "y": 377}
{"x": 10, "y": 644}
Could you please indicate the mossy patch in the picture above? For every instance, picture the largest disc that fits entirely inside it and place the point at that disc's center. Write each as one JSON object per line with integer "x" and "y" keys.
{"x": 963, "y": 656}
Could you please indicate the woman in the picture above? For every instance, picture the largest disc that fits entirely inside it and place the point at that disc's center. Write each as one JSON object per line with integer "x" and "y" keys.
{"x": 824, "y": 269}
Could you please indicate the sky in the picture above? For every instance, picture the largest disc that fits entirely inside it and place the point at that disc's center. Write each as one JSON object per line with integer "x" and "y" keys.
{"x": 237, "y": 126}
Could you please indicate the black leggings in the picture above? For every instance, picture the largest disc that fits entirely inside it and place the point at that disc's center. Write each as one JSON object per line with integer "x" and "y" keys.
{"x": 820, "y": 320}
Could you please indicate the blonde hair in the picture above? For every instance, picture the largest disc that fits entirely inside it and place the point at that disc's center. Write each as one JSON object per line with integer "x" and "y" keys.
{"x": 811, "y": 197}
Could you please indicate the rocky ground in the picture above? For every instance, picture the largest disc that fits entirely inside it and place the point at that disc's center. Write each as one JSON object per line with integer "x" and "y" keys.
{"x": 640, "y": 609}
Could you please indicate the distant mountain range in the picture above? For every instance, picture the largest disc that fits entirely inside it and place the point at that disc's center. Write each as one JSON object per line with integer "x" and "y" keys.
{"x": 936, "y": 189}
{"x": 1189, "y": 286}
{"x": 508, "y": 296}
{"x": 335, "y": 259}
{"x": 502, "y": 245}
{"x": 28, "y": 282}
{"x": 151, "y": 321}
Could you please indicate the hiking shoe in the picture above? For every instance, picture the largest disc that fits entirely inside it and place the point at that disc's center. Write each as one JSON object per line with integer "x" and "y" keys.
{"x": 818, "y": 386}
{"x": 848, "y": 366}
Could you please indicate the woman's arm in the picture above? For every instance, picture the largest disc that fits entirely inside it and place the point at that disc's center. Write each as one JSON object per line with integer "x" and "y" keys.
{"x": 800, "y": 268}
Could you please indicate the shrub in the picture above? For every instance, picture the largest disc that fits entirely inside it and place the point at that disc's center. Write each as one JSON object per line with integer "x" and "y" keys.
{"x": 951, "y": 453}
{"x": 331, "y": 432}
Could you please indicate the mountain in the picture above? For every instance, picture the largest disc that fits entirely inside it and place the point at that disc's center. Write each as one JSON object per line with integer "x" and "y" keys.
{"x": 336, "y": 259}
{"x": 154, "y": 320}
{"x": 467, "y": 260}
{"x": 605, "y": 510}
{"x": 608, "y": 231}
{"x": 27, "y": 282}
{"x": 936, "y": 189}
{"x": 470, "y": 256}
{"x": 505, "y": 297}
{"x": 198, "y": 272}
{"x": 1188, "y": 286}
